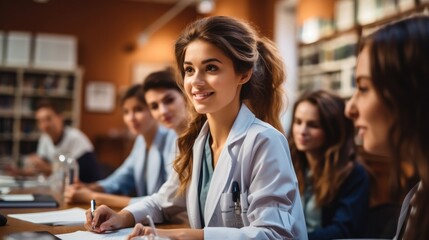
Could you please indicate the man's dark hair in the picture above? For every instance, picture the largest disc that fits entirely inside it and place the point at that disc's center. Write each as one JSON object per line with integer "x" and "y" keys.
{"x": 46, "y": 103}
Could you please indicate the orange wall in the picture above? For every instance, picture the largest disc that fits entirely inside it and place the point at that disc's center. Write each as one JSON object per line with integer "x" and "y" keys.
{"x": 107, "y": 31}
{"x": 314, "y": 8}
{"x": 258, "y": 13}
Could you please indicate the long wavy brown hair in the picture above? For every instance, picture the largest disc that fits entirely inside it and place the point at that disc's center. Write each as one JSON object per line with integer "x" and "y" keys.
{"x": 399, "y": 60}
{"x": 337, "y": 152}
{"x": 263, "y": 93}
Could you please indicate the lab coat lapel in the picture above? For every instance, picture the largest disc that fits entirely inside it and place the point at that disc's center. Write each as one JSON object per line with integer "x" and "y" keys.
{"x": 193, "y": 199}
{"x": 154, "y": 167}
{"x": 224, "y": 168}
{"x": 138, "y": 170}
{"x": 154, "y": 162}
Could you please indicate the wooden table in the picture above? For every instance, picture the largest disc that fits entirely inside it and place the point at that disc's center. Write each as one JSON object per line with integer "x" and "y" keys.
{"x": 14, "y": 225}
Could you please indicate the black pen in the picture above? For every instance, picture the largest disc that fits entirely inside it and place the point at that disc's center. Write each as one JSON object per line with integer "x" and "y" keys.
{"x": 92, "y": 211}
{"x": 236, "y": 197}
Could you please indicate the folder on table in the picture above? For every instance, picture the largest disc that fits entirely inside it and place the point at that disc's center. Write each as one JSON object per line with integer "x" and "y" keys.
{"x": 27, "y": 201}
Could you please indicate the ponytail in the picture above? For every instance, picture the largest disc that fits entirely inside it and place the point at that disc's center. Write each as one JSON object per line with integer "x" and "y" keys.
{"x": 264, "y": 92}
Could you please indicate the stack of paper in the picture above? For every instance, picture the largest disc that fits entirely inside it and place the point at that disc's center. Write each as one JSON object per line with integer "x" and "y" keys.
{"x": 72, "y": 216}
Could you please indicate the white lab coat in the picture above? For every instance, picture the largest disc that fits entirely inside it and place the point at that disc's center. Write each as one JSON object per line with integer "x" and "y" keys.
{"x": 256, "y": 156}
{"x": 130, "y": 175}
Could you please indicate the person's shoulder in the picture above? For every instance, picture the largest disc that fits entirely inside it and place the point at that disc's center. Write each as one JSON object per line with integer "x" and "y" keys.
{"x": 265, "y": 134}
{"x": 264, "y": 129}
{"x": 74, "y": 131}
{"x": 75, "y": 135}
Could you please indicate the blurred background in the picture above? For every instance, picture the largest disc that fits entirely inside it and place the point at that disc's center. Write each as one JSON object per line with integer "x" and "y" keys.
{"x": 84, "y": 53}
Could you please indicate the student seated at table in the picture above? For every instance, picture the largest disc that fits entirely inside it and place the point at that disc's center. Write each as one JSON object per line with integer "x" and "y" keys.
{"x": 233, "y": 174}
{"x": 334, "y": 187}
{"x": 146, "y": 168}
{"x": 390, "y": 109}
{"x": 56, "y": 139}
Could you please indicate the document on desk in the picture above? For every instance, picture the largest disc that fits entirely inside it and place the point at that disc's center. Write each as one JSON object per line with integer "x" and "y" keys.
{"x": 113, "y": 235}
{"x": 67, "y": 217}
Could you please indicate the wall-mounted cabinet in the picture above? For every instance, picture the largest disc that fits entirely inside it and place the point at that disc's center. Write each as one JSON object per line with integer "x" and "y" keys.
{"x": 20, "y": 90}
{"x": 329, "y": 63}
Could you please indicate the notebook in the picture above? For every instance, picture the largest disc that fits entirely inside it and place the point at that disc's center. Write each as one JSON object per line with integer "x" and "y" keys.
{"x": 27, "y": 201}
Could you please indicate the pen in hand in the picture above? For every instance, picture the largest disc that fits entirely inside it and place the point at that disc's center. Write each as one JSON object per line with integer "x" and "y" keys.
{"x": 92, "y": 212}
{"x": 152, "y": 225}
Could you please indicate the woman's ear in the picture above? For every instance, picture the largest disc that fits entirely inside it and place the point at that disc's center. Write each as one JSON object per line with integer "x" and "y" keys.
{"x": 245, "y": 77}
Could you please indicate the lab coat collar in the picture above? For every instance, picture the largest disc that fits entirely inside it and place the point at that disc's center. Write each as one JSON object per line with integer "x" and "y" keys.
{"x": 223, "y": 168}
{"x": 154, "y": 159}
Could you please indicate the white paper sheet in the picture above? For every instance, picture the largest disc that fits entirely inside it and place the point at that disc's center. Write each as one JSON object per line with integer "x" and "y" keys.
{"x": 114, "y": 235}
{"x": 68, "y": 217}
{"x": 17, "y": 197}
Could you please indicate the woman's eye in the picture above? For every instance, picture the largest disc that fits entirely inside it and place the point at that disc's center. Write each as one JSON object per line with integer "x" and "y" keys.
{"x": 188, "y": 70}
{"x": 153, "y": 106}
{"x": 168, "y": 101}
{"x": 212, "y": 68}
{"x": 362, "y": 89}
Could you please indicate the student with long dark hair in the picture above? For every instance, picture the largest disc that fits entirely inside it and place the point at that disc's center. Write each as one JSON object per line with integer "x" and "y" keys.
{"x": 390, "y": 109}
{"x": 334, "y": 186}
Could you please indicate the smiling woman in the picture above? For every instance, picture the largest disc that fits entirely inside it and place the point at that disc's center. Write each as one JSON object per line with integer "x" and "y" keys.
{"x": 230, "y": 156}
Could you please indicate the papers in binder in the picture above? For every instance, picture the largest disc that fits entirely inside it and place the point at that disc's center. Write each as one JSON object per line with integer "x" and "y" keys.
{"x": 68, "y": 217}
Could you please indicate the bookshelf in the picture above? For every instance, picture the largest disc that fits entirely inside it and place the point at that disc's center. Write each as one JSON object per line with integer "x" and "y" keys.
{"x": 329, "y": 62}
{"x": 20, "y": 90}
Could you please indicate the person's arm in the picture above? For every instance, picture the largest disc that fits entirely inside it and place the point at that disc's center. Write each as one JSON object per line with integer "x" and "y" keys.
{"x": 79, "y": 193}
{"x": 349, "y": 216}
{"x": 33, "y": 166}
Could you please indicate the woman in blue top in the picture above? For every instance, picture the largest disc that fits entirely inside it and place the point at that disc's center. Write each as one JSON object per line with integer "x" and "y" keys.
{"x": 148, "y": 165}
{"x": 233, "y": 175}
{"x": 334, "y": 187}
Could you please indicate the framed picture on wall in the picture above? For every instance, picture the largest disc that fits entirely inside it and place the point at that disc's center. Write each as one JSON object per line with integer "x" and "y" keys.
{"x": 100, "y": 96}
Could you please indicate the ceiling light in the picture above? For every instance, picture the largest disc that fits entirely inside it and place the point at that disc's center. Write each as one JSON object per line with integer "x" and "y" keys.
{"x": 205, "y": 6}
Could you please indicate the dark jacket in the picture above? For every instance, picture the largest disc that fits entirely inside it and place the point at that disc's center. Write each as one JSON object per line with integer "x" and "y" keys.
{"x": 345, "y": 216}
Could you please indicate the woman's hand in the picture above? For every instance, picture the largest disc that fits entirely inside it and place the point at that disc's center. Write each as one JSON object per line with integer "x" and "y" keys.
{"x": 105, "y": 219}
{"x": 173, "y": 234}
{"x": 140, "y": 230}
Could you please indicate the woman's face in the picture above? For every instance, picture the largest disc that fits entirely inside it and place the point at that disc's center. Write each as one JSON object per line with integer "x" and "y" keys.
{"x": 210, "y": 80}
{"x": 308, "y": 134}
{"x": 137, "y": 116}
{"x": 371, "y": 118}
{"x": 168, "y": 107}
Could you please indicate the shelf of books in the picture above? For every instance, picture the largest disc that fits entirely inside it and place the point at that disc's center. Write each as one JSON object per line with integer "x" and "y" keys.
{"x": 327, "y": 61}
{"x": 20, "y": 90}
